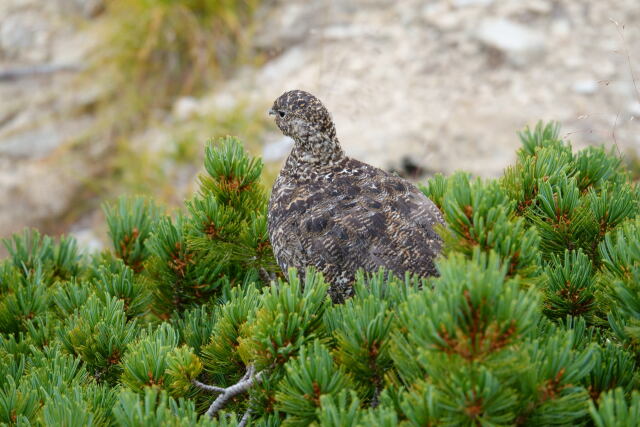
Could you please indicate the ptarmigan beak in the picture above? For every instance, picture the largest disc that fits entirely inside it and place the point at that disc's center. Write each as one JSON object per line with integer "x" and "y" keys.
{"x": 272, "y": 112}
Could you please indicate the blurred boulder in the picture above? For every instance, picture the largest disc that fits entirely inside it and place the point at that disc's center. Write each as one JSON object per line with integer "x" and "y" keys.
{"x": 90, "y": 8}
{"x": 517, "y": 42}
{"x": 25, "y": 35}
{"x": 464, "y": 3}
{"x": 585, "y": 86}
{"x": 185, "y": 107}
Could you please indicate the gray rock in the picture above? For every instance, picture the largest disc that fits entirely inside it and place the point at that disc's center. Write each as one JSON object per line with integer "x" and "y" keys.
{"x": 185, "y": 107}
{"x": 39, "y": 142}
{"x": 90, "y": 8}
{"x": 25, "y": 36}
{"x": 34, "y": 192}
{"x": 293, "y": 24}
{"x": 561, "y": 28}
{"x": 287, "y": 64}
{"x": 464, "y": 3}
{"x": 220, "y": 102}
{"x": 440, "y": 16}
{"x": 517, "y": 42}
{"x": 34, "y": 144}
{"x": 542, "y": 7}
{"x": 585, "y": 87}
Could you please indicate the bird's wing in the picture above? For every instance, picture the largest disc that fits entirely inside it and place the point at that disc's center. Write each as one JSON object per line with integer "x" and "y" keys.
{"x": 286, "y": 206}
{"x": 400, "y": 222}
{"x": 359, "y": 218}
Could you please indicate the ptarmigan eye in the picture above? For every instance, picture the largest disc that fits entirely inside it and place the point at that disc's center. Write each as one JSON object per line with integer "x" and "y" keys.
{"x": 282, "y": 113}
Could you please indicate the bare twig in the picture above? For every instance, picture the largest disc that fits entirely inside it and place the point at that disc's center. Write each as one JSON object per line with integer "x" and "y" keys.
{"x": 620, "y": 29}
{"x": 250, "y": 371}
{"x": 207, "y": 387}
{"x": 245, "y": 418}
{"x": 242, "y": 386}
{"x": 375, "y": 400}
{"x": 37, "y": 70}
{"x": 625, "y": 46}
{"x": 613, "y": 134}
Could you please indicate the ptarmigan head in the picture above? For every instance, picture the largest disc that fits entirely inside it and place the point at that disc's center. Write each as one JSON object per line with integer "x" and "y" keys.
{"x": 302, "y": 117}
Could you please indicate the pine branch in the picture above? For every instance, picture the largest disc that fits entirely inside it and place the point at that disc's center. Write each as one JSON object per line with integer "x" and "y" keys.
{"x": 242, "y": 386}
{"x": 207, "y": 387}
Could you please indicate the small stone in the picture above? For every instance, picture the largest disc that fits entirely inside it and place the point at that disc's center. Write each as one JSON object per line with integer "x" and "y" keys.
{"x": 520, "y": 44}
{"x": 292, "y": 26}
{"x": 605, "y": 69}
{"x": 342, "y": 32}
{"x": 440, "y": 16}
{"x": 286, "y": 64}
{"x": 574, "y": 62}
{"x": 448, "y": 22}
{"x": 464, "y": 3}
{"x": 634, "y": 109}
{"x": 541, "y": 7}
{"x": 91, "y": 8}
{"x": 561, "y": 28}
{"x": 32, "y": 144}
{"x": 220, "y": 102}
{"x": 185, "y": 107}
{"x": 25, "y": 36}
{"x": 585, "y": 87}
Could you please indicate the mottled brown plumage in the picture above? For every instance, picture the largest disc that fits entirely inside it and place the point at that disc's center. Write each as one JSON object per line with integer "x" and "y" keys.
{"x": 338, "y": 214}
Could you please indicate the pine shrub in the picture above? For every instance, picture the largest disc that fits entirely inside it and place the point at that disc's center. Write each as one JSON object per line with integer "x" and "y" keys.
{"x": 534, "y": 318}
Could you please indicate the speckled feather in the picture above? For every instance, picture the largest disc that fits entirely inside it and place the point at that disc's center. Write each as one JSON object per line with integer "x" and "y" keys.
{"x": 339, "y": 214}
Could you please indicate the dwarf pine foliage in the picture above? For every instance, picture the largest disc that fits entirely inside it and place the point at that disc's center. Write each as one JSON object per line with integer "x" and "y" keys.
{"x": 533, "y": 320}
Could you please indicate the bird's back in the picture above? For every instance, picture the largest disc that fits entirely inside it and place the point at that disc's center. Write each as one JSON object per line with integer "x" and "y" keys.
{"x": 352, "y": 216}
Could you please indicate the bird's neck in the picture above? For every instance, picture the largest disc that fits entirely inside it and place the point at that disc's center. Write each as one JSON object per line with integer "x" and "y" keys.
{"x": 315, "y": 152}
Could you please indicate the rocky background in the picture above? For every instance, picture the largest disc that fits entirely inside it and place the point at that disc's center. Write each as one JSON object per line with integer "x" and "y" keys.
{"x": 414, "y": 86}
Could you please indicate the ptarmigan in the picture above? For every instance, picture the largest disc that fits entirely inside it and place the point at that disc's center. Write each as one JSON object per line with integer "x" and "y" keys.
{"x": 338, "y": 214}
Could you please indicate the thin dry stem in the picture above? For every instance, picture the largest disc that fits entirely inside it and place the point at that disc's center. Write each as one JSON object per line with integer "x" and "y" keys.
{"x": 245, "y": 418}
{"x": 242, "y": 386}
{"x": 208, "y": 387}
